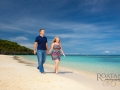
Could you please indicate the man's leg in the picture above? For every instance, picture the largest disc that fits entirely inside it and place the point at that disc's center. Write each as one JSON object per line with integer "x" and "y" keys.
{"x": 43, "y": 58}
{"x": 40, "y": 64}
{"x": 38, "y": 60}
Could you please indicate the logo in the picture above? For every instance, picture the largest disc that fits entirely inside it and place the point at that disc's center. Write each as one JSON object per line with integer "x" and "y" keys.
{"x": 108, "y": 79}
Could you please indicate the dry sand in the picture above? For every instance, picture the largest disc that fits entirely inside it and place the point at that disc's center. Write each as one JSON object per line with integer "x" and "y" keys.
{"x": 17, "y": 76}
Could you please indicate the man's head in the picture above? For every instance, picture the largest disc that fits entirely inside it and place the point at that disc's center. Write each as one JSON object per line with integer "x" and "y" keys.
{"x": 42, "y": 32}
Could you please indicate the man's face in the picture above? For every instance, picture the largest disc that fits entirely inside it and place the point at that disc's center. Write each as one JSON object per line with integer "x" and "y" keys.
{"x": 42, "y": 32}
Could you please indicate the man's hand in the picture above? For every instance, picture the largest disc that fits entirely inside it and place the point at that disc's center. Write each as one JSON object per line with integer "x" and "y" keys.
{"x": 35, "y": 52}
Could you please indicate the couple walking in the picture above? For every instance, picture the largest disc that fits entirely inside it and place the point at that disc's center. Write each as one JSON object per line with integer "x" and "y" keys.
{"x": 42, "y": 49}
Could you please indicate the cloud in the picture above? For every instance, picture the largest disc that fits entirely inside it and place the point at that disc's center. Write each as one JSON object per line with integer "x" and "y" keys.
{"x": 29, "y": 45}
{"x": 29, "y": 25}
{"x": 106, "y": 52}
{"x": 86, "y": 25}
{"x": 72, "y": 53}
{"x": 103, "y": 46}
{"x": 72, "y": 34}
{"x": 18, "y": 38}
{"x": 113, "y": 52}
{"x": 8, "y": 27}
{"x": 23, "y": 41}
{"x": 94, "y": 6}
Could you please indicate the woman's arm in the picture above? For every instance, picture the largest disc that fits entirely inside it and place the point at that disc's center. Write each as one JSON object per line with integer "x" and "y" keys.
{"x": 62, "y": 50}
{"x": 51, "y": 48}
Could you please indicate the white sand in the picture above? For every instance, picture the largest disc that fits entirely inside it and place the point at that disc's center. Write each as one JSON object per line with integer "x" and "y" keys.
{"x": 18, "y": 76}
{"x": 23, "y": 75}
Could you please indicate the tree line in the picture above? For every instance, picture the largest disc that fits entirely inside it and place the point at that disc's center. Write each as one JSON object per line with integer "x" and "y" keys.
{"x": 13, "y": 48}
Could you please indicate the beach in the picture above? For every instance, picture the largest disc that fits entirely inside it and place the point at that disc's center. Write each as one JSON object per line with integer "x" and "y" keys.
{"x": 18, "y": 74}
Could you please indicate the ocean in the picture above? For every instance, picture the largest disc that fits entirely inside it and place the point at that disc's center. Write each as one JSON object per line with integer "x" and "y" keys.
{"x": 90, "y": 64}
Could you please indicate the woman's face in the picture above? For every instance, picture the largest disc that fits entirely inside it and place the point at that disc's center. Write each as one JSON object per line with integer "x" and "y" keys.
{"x": 57, "y": 39}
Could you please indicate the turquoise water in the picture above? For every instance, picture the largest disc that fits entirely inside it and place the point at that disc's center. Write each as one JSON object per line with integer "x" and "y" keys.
{"x": 93, "y": 64}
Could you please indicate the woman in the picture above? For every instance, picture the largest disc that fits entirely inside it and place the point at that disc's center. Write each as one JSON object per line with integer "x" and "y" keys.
{"x": 56, "y": 49}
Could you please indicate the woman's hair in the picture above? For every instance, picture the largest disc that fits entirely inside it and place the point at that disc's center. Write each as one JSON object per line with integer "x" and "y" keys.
{"x": 54, "y": 40}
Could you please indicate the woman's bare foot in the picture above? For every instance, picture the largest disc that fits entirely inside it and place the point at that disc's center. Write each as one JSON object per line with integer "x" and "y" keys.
{"x": 56, "y": 72}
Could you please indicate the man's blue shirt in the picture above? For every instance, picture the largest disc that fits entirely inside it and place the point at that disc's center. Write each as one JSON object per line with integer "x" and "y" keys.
{"x": 41, "y": 42}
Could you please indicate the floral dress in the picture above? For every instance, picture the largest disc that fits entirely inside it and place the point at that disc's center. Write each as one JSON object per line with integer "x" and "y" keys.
{"x": 56, "y": 54}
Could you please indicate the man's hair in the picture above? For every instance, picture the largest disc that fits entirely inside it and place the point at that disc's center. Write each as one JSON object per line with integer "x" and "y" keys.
{"x": 41, "y": 29}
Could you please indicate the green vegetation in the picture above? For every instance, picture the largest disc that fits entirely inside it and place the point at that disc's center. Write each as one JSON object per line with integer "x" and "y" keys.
{"x": 12, "y": 48}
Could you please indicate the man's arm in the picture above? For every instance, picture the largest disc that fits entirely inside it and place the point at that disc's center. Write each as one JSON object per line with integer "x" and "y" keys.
{"x": 35, "y": 46}
{"x": 47, "y": 48}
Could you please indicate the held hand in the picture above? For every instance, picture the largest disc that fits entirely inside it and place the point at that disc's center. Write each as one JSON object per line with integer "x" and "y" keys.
{"x": 47, "y": 52}
{"x": 34, "y": 52}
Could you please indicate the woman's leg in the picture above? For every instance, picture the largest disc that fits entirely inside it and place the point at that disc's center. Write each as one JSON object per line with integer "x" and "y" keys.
{"x": 56, "y": 65}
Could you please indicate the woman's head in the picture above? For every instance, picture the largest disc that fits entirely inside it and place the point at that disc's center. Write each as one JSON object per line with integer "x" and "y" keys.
{"x": 56, "y": 39}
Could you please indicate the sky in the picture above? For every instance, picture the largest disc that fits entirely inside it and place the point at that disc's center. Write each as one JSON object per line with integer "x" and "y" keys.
{"x": 84, "y": 26}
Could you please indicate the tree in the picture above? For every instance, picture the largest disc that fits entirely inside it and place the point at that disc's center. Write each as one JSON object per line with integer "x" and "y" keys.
{"x": 8, "y": 47}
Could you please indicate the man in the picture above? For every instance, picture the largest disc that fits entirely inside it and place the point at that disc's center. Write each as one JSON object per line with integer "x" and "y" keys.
{"x": 42, "y": 49}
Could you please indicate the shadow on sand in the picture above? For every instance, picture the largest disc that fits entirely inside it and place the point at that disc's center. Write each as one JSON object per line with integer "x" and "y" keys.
{"x": 64, "y": 72}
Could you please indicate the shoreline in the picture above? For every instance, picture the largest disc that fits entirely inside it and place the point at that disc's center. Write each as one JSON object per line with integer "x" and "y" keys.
{"x": 17, "y": 74}
{"x": 89, "y": 74}
{"x": 85, "y": 69}
{"x": 61, "y": 69}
